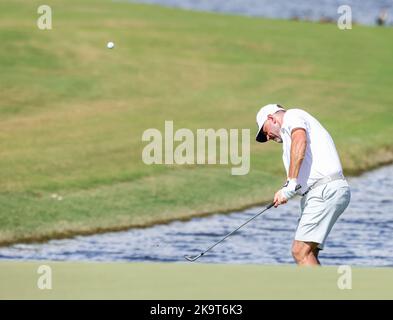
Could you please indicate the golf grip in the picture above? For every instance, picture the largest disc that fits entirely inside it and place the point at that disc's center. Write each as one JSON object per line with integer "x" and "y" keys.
{"x": 270, "y": 205}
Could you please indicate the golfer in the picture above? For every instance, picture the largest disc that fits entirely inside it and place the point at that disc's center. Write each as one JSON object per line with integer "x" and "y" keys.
{"x": 313, "y": 171}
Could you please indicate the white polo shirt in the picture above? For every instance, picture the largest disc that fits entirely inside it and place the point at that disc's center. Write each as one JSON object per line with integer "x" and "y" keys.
{"x": 321, "y": 158}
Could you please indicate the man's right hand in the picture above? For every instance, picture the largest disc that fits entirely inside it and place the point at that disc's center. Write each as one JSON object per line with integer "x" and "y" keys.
{"x": 287, "y": 192}
{"x": 279, "y": 198}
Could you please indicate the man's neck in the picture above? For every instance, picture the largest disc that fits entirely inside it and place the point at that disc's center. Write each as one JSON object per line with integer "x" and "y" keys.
{"x": 280, "y": 117}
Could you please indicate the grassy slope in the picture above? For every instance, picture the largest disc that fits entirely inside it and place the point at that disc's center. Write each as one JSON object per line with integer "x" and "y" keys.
{"x": 72, "y": 112}
{"x": 191, "y": 281}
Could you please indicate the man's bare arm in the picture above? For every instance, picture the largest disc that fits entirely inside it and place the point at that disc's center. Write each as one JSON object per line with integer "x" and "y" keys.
{"x": 298, "y": 150}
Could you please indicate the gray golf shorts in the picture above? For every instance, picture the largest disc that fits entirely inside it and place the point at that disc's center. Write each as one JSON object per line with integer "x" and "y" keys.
{"x": 320, "y": 209}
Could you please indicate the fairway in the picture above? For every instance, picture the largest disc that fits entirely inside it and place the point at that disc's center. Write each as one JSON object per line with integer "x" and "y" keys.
{"x": 184, "y": 281}
{"x": 72, "y": 111}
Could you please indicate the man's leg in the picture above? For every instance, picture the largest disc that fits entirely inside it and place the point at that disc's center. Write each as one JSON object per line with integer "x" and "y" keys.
{"x": 316, "y": 252}
{"x": 305, "y": 253}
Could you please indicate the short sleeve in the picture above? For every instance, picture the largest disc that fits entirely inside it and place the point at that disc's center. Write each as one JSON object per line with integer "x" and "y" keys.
{"x": 294, "y": 120}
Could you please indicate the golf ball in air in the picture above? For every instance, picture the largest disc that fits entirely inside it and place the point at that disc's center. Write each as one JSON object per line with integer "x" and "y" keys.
{"x": 110, "y": 45}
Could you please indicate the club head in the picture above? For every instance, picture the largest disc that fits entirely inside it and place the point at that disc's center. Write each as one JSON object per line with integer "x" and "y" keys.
{"x": 193, "y": 258}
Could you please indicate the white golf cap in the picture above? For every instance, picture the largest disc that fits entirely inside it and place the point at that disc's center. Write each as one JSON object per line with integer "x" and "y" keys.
{"x": 262, "y": 117}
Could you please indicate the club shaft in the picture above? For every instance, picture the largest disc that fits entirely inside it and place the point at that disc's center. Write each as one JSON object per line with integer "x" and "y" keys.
{"x": 232, "y": 232}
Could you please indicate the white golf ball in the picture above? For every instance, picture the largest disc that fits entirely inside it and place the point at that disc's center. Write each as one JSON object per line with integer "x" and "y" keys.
{"x": 110, "y": 45}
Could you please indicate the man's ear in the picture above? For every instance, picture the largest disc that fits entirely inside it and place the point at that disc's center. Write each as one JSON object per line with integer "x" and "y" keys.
{"x": 272, "y": 118}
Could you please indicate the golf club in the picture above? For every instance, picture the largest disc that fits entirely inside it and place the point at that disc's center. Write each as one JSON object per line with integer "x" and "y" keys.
{"x": 193, "y": 258}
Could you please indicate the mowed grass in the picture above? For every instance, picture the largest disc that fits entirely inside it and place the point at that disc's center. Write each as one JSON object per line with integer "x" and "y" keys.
{"x": 20, "y": 280}
{"x": 72, "y": 112}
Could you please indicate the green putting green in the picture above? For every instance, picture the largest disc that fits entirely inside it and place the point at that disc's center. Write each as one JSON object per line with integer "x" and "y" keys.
{"x": 21, "y": 280}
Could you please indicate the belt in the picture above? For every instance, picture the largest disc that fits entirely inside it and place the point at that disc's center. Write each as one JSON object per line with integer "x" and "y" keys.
{"x": 324, "y": 180}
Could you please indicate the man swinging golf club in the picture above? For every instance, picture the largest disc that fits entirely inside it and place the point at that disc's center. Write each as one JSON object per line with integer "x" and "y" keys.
{"x": 313, "y": 171}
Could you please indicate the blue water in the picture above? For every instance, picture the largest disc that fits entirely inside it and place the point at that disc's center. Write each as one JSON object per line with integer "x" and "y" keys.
{"x": 362, "y": 236}
{"x": 363, "y": 11}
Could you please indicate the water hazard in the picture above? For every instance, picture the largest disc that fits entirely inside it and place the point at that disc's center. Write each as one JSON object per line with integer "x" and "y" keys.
{"x": 362, "y": 236}
{"x": 363, "y": 11}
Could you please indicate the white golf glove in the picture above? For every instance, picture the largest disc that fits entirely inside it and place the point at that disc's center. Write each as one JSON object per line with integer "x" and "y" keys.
{"x": 289, "y": 190}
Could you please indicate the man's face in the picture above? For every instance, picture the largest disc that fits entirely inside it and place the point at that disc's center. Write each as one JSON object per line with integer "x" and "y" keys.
{"x": 271, "y": 129}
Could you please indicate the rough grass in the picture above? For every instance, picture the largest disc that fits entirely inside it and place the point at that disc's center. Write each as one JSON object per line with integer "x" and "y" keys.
{"x": 72, "y": 112}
